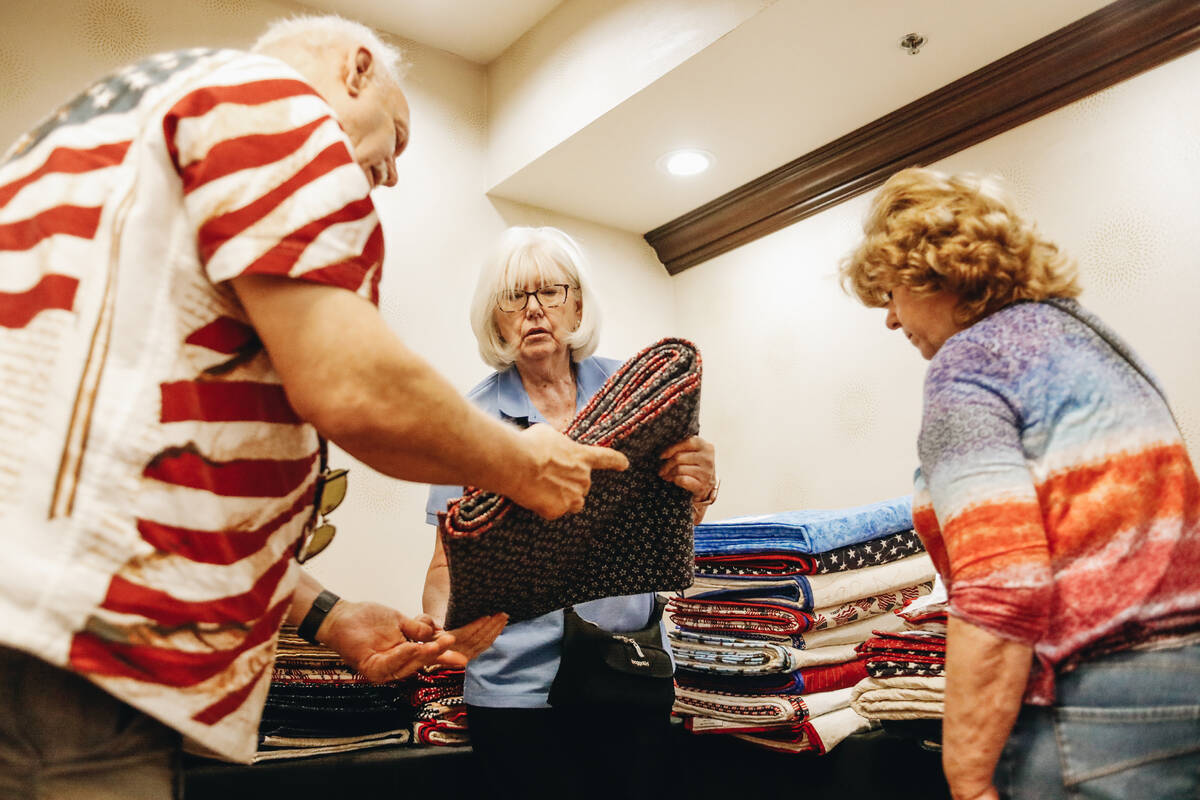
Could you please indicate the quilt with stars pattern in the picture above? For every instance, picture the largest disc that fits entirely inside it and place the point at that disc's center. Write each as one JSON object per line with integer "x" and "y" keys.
{"x": 635, "y": 532}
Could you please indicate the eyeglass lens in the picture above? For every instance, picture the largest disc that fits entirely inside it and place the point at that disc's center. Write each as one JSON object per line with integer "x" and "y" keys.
{"x": 547, "y": 296}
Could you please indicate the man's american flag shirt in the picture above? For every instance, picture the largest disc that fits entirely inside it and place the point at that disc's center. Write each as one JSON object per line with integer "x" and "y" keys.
{"x": 154, "y": 479}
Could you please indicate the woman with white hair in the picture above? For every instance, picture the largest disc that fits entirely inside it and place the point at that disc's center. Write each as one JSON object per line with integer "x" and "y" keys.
{"x": 537, "y": 322}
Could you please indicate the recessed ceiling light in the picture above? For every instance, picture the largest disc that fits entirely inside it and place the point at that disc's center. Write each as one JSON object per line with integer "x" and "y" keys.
{"x": 686, "y": 162}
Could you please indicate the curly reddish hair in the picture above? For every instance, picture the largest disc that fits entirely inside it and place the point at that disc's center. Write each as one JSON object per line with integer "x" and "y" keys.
{"x": 931, "y": 232}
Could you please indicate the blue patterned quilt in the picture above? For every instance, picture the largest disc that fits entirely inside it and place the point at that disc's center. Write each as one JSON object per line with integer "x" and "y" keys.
{"x": 810, "y": 531}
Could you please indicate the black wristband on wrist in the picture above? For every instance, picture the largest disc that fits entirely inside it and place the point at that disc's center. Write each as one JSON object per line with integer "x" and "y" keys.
{"x": 316, "y": 615}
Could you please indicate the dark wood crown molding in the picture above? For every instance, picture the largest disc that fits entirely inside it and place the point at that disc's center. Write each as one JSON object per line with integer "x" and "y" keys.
{"x": 1117, "y": 42}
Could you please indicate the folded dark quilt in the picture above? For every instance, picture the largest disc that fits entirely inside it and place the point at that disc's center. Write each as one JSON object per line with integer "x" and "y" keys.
{"x": 313, "y": 721}
{"x": 904, "y": 643}
{"x": 441, "y": 733}
{"x": 896, "y": 657}
{"x": 314, "y": 696}
{"x": 822, "y": 678}
{"x": 906, "y": 656}
{"x": 854, "y": 556}
{"x": 805, "y": 532}
{"x": 349, "y": 697}
{"x": 723, "y": 616}
{"x": 754, "y": 565}
{"x": 442, "y": 723}
{"x": 635, "y": 532}
{"x": 453, "y": 709}
{"x": 909, "y": 653}
{"x": 897, "y": 668}
{"x": 426, "y": 685}
{"x": 868, "y": 554}
{"x": 783, "y": 683}
{"x": 325, "y": 707}
{"x": 779, "y": 618}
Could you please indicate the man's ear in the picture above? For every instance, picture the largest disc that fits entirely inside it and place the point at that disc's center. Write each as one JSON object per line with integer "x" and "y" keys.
{"x": 360, "y": 67}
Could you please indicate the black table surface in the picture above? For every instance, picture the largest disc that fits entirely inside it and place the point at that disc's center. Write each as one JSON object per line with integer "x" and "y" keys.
{"x": 874, "y": 764}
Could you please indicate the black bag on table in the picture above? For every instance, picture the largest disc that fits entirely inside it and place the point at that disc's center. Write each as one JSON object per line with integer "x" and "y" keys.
{"x": 603, "y": 668}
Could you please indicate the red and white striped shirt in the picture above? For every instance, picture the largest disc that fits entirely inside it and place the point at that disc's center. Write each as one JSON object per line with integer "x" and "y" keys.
{"x": 154, "y": 479}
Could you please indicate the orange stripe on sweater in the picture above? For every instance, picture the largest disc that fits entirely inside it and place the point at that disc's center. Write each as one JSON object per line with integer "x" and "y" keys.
{"x": 1087, "y": 505}
{"x": 993, "y": 537}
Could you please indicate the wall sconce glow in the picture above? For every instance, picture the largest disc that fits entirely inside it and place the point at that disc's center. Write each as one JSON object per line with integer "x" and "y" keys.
{"x": 686, "y": 162}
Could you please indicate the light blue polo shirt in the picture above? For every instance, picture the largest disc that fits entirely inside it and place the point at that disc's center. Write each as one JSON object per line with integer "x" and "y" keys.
{"x": 517, "y": 670}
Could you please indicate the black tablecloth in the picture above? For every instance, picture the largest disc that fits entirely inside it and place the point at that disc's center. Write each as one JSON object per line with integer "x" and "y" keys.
{"x": 876, "y": 764}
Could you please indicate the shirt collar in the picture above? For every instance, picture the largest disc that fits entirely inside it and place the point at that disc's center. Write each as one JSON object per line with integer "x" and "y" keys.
{"x": 589, "y": 377}
{"x": 513, "y": 401}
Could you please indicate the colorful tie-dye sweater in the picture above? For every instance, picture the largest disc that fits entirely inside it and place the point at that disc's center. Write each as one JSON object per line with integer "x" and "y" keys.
{"x": 1055, "y": 494}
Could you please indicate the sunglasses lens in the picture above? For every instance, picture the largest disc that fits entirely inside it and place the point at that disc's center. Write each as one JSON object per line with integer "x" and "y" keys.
{"x": 319, "y": 540}
{"x": 333, "y": 490}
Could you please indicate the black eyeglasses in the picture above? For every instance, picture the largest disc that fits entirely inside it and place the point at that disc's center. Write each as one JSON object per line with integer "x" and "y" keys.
{"x": 549, "y": 296}
{"x": 330, "y": 491}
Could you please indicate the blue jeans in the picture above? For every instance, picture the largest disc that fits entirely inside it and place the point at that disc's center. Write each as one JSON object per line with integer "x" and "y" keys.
{"x": 1126, "y": 727}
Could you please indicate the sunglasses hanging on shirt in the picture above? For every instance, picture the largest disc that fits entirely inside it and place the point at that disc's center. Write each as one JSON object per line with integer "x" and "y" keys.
{"x": 329, "y": 493}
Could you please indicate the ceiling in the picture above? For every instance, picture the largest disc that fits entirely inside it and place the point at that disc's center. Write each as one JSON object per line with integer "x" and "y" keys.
{"x": 796, "y": 76}
{"x": 789, "y": 79}
{"x": 477, "y": 30}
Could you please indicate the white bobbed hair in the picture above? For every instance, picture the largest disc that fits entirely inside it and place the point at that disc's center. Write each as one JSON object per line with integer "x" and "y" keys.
{"x": 317, "y": 31}
{"x": 530, "y": 255}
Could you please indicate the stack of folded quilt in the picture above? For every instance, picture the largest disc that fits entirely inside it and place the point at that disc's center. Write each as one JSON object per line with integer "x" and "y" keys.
{"x": 317, "y": 705}
{"x": 441, "y": 713}
{"x": 906, "y": 686}
{"x": 766, "y": 640}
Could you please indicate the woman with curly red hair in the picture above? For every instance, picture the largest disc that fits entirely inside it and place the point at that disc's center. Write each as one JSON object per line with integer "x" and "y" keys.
{"x": 1056, "y": 498}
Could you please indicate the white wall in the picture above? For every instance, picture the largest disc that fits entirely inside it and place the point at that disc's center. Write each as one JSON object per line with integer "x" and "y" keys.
{"x": 438, "y": 224}
{"x": 813, "y": 403}
{"x": 584, "y": 58}
{"x": 50, "y": 49}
